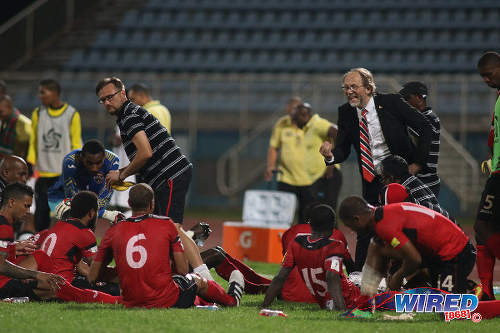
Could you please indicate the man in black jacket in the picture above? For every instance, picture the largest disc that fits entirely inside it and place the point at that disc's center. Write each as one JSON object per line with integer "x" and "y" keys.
{"x": 376, "y": 125}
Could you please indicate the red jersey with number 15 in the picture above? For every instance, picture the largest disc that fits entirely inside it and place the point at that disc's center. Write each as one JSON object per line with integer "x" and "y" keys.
{"x": 142, "y": 248}
{"x": 313, "y": 258}
{"x": 66, "y": 243}
{"x": 430, "y": 232}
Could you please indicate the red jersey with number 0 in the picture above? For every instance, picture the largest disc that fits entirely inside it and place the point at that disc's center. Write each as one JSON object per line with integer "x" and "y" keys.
{"x": 142, "y": 247}
{"x": 430, "y": 232}
{"x": 66, "y": 243}
{"x": 313, "y": 258}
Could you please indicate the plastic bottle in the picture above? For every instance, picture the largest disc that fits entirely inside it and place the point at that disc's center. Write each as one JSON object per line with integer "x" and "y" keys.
{"x": 272, "y": 313}
{"x": 212, "y": 307}
{"x": 16, "y": 299}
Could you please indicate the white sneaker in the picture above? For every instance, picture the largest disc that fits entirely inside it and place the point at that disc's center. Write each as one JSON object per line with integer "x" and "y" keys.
{"x": 236, "y": 286}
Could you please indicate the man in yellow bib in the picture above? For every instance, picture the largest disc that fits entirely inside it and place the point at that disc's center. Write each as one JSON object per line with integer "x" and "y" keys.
{"x": 55, "y": 131}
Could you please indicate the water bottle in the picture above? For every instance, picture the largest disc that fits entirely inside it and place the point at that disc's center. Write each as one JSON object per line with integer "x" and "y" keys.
{"x": 16, "y": 299}
{"x": 272, "y": 313}
{"x": 496, "y": 290}
{"x": 212, "y": 307}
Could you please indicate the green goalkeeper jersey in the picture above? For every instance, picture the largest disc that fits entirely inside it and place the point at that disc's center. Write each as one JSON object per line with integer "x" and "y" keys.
{"x": 495, "y": 166}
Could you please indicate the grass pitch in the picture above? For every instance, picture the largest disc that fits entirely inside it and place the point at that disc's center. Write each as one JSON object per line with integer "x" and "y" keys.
{"x": 304, "y": 318}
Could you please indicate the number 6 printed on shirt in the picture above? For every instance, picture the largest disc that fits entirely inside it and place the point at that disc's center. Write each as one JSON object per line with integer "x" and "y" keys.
{"x": 131, "y": 249}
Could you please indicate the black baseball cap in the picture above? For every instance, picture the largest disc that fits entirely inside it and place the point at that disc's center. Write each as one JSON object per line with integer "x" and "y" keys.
{"x": 414, "y": 88}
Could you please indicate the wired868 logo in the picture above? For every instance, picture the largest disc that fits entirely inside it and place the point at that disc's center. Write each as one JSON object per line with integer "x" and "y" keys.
{"x": 453, "y": 306}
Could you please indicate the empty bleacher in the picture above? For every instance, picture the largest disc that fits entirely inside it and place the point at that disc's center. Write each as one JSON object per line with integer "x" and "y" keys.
{"x": 296, "y": 36}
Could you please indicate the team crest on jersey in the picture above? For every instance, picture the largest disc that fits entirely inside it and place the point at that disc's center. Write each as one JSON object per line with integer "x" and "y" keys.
{"x": 99, "y": 178}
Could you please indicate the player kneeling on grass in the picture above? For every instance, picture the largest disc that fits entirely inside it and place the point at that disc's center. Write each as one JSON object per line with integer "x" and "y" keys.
{"x": 143, "y": 246}
{"x": 416, "y": 235}
{"x": 319, "y": 258}
{"x": 84, "y": 169}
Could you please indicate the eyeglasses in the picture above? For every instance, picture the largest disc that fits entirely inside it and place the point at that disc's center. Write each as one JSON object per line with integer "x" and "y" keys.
{"x": 352, "y": 87}
{"x": 107, "y": 98}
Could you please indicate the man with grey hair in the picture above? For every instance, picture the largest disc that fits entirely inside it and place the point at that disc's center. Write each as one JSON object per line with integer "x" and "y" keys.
{"x": 376, "y": 125}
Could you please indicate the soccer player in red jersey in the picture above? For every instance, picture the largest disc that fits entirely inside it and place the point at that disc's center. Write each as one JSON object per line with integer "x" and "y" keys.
{"x": 16, "y": 203}
{"x": 417, "y": 236}
{"x": 144, "y": 247}
{"x": 63, "y": 247}
{"x": 319, "y": 259}
{"x": 294, "y": 289}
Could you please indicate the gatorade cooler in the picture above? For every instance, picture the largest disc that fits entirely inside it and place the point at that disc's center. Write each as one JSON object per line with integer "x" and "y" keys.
{"x": 266, "y": 216}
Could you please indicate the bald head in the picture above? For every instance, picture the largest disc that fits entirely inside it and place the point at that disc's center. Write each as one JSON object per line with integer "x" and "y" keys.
{"x": 355, "y": 212}
{"x": 141, "y": 198}
{"x": 14, "y": 170}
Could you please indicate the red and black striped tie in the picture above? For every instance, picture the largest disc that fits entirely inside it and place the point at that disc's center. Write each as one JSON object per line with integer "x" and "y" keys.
{"x": 366, "y": 152}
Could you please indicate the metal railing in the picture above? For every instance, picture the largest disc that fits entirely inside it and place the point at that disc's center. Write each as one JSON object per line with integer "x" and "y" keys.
{"x": 33, "y": 27}
{"x": 243, "y": 164}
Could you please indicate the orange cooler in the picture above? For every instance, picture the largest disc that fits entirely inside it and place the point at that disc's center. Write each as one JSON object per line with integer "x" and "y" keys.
{"x": 254, "y": 242}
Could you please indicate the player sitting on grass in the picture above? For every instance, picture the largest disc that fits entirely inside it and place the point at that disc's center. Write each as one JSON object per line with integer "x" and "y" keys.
{"x": 294, "y": 289}
{"x": 143, "y": 247}
{"x": 63, "y": 247}
{"x": 416, "y": 235}
{"x": 319, "y": 259}
{"x": 16, "y": 203}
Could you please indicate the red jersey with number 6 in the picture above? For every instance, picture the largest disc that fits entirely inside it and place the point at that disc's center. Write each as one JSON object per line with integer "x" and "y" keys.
{"x": 430, "y": 232}
{"x": 142, "y": 248}
{"x": 66, "y": 243}
{"x": 313, "y": 258}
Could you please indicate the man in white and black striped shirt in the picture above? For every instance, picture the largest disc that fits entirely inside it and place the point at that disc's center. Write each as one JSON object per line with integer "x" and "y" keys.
{"x": 155, "y": 156}
{"x": 394, "y": 169}
{"x": 415, "y": 93}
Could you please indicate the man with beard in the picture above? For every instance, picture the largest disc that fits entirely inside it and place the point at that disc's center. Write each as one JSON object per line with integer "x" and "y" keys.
{"x": 376, "y": 125}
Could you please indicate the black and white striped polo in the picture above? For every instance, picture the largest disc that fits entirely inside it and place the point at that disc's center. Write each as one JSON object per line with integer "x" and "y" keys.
{"x": 167, "y": 161}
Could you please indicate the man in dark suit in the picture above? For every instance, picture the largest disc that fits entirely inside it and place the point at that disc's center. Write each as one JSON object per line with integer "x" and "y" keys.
{"x": 376, "y": 125}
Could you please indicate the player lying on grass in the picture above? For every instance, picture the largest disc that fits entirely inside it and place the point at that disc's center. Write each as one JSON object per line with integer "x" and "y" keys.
{"x": 143, "y": 247}
{"x": 85, "y": 169}
{"x": 415, "y": 235}
{"x": 319, "y": 259}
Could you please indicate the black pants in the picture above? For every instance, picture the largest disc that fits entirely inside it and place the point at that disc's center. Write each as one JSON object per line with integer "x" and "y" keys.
{"x": 451, "y": 275}
{"x": 170, "y": 196}
{"x": 42, "y": 213}
{"x": 371, "y": 192}
{"x": 327, "y": 190}
{"x": 304, "y": 197}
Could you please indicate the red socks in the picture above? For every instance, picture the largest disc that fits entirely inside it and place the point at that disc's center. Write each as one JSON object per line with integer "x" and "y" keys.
{"x": 488, "y": 309}
{"x": 215, "y": 293}
{"x": 493, "y": 244}
{"x": 254, "y": 283}
{"x": 485, "y": 263}
{"x": 69, "y": 293}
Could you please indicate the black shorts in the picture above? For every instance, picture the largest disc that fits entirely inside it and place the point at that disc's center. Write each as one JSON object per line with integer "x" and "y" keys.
{"x": 170, "y": 196}
{"x": 451, "y": 275}
{"x": 489, "y": 206}
{"x": 19, "y": 288}
{"x": 187, "y": 291}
